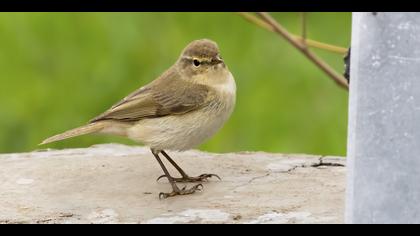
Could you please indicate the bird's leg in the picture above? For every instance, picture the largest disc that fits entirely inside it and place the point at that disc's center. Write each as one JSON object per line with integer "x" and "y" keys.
{"x": 185, "y": 177}
{"x": 175, "y": 190}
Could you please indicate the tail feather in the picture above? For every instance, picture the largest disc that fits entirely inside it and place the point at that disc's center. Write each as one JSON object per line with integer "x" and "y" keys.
{"x": 87, "y": 129}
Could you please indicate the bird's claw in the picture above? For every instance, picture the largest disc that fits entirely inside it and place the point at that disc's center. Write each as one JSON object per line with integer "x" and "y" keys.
{"x": 183, "y": 191}
{"x": 187, "y": 179}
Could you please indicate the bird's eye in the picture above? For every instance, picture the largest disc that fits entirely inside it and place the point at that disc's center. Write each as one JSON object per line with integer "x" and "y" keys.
{"x": 196, "y": 62}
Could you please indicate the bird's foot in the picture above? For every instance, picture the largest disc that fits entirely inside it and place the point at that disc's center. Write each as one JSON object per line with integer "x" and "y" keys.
{"x": 182, "y": 191}
{"x": 188, "y": 179}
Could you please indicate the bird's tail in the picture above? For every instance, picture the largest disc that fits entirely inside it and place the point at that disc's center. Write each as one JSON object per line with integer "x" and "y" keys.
{"x": 86, "y": 129}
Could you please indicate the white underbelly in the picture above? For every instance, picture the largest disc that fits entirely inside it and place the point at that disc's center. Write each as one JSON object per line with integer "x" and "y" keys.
{"x": 186, "y": 131}
{"x": 181, "y": 132}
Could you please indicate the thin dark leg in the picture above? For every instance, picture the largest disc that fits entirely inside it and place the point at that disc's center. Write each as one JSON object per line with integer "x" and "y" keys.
{"x": 182, "y": 172}
{"x": 185, "y": 177}
{"x": 175, "y": 189}
{"x": 171, "y": 181}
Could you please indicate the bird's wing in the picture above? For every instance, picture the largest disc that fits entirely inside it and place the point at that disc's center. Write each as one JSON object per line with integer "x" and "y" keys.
{"x": 167, "y": 95}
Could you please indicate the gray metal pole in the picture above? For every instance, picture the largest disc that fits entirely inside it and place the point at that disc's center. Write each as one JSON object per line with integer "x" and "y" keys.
{"x": 384, "y": 119}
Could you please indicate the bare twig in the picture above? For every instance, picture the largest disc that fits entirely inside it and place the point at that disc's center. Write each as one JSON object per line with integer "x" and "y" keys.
{"x": 254, "y": 19}
{"x": 311, "y": 43}
{"x": 303, "y": 22}
{"x": 339, "y": 79}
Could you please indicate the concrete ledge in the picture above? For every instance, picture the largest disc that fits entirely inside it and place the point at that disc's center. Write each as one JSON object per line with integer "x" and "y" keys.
{"x": 113, "y": 183}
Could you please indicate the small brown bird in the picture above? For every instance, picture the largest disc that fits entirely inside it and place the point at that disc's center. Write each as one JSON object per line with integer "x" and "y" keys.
{"x": 179, "y": 110}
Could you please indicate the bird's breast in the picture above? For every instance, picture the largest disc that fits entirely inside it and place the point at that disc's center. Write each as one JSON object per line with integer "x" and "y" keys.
{"x": 182, "y": 132}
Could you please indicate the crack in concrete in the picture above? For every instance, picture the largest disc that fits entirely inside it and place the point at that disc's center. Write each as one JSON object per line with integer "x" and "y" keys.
{"x": 294, "y": 168}
{"x": 251, "y": 180}
{"x": 315, "y": 165}
{"x": 322, "y": 163}
{"x": 258, "y": 177}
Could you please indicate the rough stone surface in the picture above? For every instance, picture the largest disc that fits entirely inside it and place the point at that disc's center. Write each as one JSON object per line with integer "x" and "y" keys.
{"x": 114, "y": 183}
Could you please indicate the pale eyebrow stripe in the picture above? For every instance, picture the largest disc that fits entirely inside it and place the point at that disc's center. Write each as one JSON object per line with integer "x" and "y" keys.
{"x": 188, "y": 58}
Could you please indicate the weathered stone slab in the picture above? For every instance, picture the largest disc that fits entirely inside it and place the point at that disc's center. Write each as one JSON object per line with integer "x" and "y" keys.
{"x": 116, "y": 184}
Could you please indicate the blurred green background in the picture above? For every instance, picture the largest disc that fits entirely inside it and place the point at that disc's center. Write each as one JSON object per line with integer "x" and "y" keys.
{"x": 58, "y": 70}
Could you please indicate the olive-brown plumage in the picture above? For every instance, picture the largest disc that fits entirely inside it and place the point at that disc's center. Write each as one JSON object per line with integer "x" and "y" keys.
{"x": 179, "y": 110}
